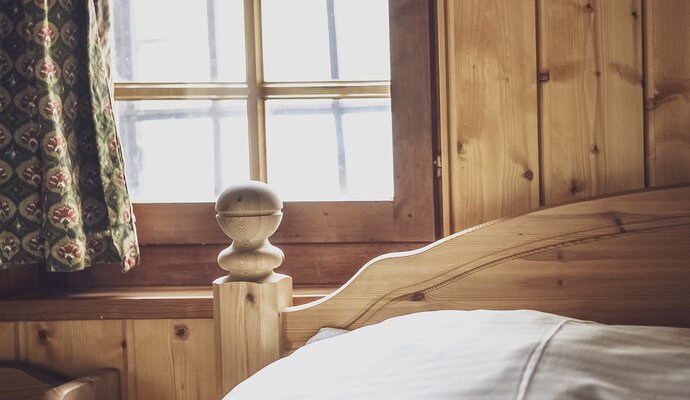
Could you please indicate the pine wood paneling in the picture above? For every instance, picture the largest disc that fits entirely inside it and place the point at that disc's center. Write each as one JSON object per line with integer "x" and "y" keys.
{"x": 668, "y": 91}
{"x": 7, "y": 341}
{"x": 492, "y": 109}
{"x": 171, "y": 359}
{"x": 591, "y": 96}
{"x": 73, "y": 348}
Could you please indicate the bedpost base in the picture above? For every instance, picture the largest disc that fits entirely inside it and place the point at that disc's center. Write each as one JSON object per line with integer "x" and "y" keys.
{"x": 247, "y": 326}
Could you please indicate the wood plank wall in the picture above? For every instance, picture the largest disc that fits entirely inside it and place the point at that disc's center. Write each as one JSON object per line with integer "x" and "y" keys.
{"x": 158, "y": 359}
{"x": 548, "y": 101}
{"x": 668, "y": 91}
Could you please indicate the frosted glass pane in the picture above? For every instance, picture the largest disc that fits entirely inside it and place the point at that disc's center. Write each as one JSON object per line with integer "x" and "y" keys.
{"x": 179, "y": 40}
{"x": 363, "y": 39}
{"x": 330, "y": 149}
{"x": 369, "y": 153}
{"x": 186, "y": 153}
{"x": 319, "y": 40}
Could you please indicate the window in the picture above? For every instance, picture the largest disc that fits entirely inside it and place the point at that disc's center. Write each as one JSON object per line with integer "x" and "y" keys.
{"x": 318, "y": 97}
{"x": 308, "y": 108}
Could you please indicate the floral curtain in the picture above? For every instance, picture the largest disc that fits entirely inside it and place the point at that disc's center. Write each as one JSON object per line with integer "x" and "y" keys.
{"x": 63, "y": 195}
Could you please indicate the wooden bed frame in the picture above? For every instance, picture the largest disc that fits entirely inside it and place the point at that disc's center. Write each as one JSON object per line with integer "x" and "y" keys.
{"x": 621, "y": 259}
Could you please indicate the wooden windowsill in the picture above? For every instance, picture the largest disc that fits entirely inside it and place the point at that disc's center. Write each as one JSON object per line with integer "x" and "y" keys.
{"x": 123, "y": 303}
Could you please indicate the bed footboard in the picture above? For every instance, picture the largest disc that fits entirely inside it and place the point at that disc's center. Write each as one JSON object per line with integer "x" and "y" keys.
{"x": 620, "y": 259}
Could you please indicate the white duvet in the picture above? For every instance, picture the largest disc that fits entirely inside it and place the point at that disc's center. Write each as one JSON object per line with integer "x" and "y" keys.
{"x": 482, "y": 355}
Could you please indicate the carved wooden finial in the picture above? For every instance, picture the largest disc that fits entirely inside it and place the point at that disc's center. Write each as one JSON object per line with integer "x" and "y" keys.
{"x": 249, "y": 213}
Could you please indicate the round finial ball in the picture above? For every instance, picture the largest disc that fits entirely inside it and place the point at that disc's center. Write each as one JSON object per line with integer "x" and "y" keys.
{"x": 251, "y": 198}
{"x": 249, "y": 212}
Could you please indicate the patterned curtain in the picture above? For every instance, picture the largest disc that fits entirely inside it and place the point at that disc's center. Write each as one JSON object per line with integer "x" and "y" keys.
{"x": 63, "y": 195}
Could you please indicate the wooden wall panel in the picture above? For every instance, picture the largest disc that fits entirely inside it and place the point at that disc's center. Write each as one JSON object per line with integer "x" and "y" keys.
{"x": 158, "y": 359}
{"x": 591, "y": 98}
{"x": 171, "y": 359}
{"x": 7, "y": 341}
{"x": 73, "y": 348}
{"x": 492, "y": 109}
{"x": 668, "y": 91}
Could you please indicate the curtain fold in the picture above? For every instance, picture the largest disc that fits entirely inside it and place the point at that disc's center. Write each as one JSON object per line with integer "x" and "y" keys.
{"x": 63, "y": 193}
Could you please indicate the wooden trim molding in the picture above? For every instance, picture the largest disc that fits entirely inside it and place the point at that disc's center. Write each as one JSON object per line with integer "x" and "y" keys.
{"x": 125, "y": 303}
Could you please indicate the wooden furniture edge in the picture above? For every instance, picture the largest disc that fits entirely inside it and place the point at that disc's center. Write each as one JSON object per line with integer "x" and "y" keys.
{"x": 528, "y": 258}
{"x": 24, "y": 381}
{"x": 125, "y": 303}
{"x": 103, "y": 384}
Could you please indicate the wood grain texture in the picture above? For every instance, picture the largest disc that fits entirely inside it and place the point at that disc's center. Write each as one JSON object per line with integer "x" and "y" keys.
{"x": 25, "y": 382}
{"x": 247, "y": 326}
{"x": 72, "y": 348}
{"x": 591, "y": 98}
{"x": 412, "y": 121}
{"x": 443, "y": 115}
{"x": 616, "y": 259}
{"x": 492, "y": 109}
{"x": 171, "y": 359}
{"x": 118, "y": 303}
{"x": 114, "y": 303}
{"x": 16, "y": 384}
{"x": 98, "y": 385}
{"x": 7, "y": 341}
{"x": 308, "y": 264}
{"x": 668, "y": 91}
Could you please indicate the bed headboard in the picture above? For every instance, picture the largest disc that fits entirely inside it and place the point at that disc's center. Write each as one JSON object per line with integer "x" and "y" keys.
{"x": 622, "y": 259}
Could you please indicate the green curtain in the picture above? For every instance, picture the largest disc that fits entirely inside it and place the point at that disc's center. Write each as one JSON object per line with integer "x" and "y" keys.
{"x": 63, "y": 195}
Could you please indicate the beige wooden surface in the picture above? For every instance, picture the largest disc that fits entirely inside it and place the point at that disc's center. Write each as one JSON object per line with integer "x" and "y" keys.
{"x": 7, "y": 341}
{"x": 618, "y": 259}
{"x": 76, "y": 347}
{"x": 444, "y": 112}
{"x": 491, "y": 108}
{"x": 170, "y": 359}
{"x": 99, "y": 385}
{"x": 157, "y": 359}
{"x": 26, "y": 382}
{"x": 72, "y": 348}
{"x": 668, "y": 91}
{"x": 247, "y": 326}
{"x": 16, "y": 384}
{"x": 591, "y": 98}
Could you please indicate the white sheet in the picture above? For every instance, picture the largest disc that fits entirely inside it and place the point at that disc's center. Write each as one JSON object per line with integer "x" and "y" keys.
{"x": 482, "y": 355}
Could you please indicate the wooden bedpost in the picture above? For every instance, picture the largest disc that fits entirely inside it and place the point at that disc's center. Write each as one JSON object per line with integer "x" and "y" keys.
{"x": 247, "y": 303}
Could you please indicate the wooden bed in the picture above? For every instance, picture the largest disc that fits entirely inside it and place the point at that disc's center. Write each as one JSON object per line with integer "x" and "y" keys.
{"x": 622, "y": 259}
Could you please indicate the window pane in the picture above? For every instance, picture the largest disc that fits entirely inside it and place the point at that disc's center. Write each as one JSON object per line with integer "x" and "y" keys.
{"x": 330, "y": 149}
{"x": 179, "y": 40}
{"x": 320, "y": 40}
{"x": 183, "y": 151}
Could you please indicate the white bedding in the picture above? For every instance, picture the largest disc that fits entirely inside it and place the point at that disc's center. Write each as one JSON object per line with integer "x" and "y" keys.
{"x": 482, "y": 355}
